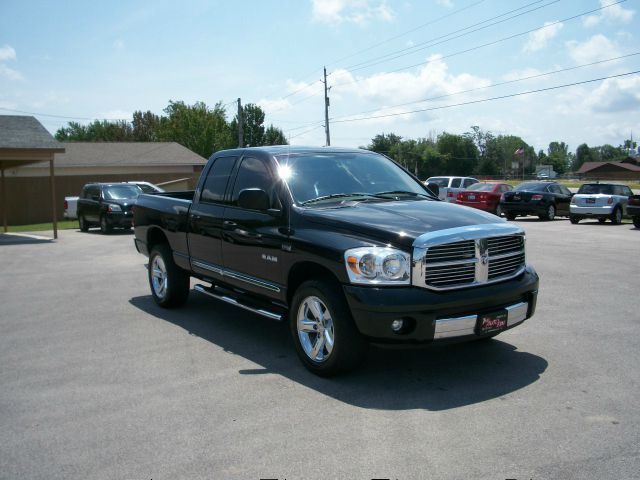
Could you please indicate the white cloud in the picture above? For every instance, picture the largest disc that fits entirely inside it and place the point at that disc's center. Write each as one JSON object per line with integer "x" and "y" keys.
{"x": 616, "y": 95}
{"x": 9, "y": 73}
{"x": 596, "y": 48}
{"x": 273, "y": 106}
{"x": 116, "y": 115}
{"x": 610, "y": 14}
{"x": 351, "y": 11}
{"x": 539, "y": 39}
{"x": 7, "y": 53}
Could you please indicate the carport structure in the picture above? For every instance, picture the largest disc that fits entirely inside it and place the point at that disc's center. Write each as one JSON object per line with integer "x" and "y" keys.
{"x": 24, "y": 140}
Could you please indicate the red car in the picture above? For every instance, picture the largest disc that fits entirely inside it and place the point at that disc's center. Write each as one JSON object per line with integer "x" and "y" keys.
{"x": 485, "y": 196}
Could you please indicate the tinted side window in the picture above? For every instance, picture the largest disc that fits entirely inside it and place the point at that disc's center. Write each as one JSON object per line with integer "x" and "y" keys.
{"x": 216, "y": 183}
{"x": 469, "y": 181}
{"x": 252, "y": 174}
{"x": 455, "y": 182}
{"x": 626, "y": 191}
{"x": 565, "y": 190}
{"x": 554, "y": 189}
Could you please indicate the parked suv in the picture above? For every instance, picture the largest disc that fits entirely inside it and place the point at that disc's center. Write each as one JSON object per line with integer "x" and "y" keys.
{"x": 449, "y": 187}
{"x": 600, "y": 200}
{"x": 107, "y": 205}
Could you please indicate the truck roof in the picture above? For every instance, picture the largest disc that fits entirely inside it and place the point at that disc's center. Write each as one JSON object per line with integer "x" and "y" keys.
{"x": 285, "y": 149}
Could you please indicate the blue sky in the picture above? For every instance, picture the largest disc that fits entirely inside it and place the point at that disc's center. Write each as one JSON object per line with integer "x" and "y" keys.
{"x": 86, "y": 60}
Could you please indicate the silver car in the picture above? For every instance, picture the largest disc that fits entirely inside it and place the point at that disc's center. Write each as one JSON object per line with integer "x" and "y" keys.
{"x": 600, "y": 200}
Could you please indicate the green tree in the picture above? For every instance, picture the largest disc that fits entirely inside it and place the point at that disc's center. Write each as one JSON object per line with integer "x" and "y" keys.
{"x": 459, "y": 152}
{"x": 201, "y": 129}
{"x": 383, "y": 142}
{"x": 145, "y": 126}
{"x": 274, "y": 136}
{"x": 583, "y": 154}
{"x": 96, "y": 131}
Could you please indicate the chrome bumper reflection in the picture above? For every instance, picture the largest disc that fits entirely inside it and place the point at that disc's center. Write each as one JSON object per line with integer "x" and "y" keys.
{"x": 461, "y": 326}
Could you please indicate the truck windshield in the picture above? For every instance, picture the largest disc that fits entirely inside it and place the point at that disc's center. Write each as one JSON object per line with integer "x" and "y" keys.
{"x": 335, "y": 175}
{"x": 122, "y": 192}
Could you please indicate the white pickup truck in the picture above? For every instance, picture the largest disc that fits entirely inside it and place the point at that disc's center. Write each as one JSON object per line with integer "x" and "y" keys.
{"x": 71, "y": 208}
{"x": 450, "y": 186}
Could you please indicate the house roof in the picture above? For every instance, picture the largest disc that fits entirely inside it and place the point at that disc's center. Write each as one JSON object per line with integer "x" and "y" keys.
{"x": 589, "y": 166}
{"x": 105, "y": 154}
{"x": 23, "y": 132}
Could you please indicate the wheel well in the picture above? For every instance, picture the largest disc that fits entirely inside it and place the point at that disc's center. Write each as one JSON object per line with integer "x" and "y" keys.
{"x": 155, "y": 236}
{"x": 301, "y": 272}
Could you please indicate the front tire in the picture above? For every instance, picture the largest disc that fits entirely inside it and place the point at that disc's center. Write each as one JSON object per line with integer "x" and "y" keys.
{"x": 324, "y": 334}
{"x": 636, "y": 221}
{"x": 573, "y": 219}
{"x": 105, "y": 228}
{"x": 498, "y": 211}
{"x": 616, "y": 216}
{"x": 169, "y": 283}
{"x": 602, "y": 220}
{"x": 84, "y": 226}
{"x": 510, "y": 216}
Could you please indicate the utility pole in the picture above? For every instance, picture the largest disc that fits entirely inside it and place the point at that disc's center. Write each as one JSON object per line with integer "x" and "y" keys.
{"x": 326, "y": 108}
{"x": 240, "y": 125}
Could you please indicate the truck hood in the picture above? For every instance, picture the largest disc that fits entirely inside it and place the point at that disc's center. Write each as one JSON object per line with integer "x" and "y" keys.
{"x": 398, "y": 222}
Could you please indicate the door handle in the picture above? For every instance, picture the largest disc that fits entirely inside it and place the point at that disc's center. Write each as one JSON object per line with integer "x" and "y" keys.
{"x": 229, "y": 223}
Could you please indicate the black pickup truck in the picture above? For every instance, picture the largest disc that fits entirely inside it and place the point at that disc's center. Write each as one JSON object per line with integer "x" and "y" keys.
{"x": 345, "y": 245}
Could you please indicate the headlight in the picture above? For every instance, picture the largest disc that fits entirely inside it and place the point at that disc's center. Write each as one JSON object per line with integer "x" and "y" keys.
{"x": 377, "y": 266}
{"x": 114, "y": 208}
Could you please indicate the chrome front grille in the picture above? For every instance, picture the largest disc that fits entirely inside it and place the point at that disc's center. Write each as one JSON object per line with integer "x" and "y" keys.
{"x": 469, "y": 262}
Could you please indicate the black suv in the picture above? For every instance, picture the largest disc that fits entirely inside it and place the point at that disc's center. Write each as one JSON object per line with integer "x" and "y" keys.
{"x": 107, "y": 205}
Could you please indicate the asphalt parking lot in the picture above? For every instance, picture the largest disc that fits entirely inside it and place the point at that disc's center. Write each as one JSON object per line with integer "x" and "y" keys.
{"x": 97, "y": 382}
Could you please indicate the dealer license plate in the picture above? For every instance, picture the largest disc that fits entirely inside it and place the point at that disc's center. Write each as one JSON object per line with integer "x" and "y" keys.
{"x": 472, "y": 197}
{"x": 492, "y": 322}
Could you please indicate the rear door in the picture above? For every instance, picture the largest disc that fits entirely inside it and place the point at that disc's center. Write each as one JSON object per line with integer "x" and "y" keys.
{"x": 206, "y": 216}
{"x": 252, "y": 241}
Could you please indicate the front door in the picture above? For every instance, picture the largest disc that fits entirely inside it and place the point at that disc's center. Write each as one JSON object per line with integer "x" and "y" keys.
{"x": 251, "y": 240}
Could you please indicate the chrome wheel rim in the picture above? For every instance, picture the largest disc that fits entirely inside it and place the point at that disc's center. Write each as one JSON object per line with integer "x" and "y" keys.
{"x": 103, "y": 224}
{"x": 159, "y": 277}
{"x": 315, "y": 329}
{"x": 552, "y": 212}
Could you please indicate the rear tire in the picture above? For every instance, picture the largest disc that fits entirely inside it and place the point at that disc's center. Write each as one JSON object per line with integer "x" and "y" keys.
{"x": 602, "y": 220}
{"x": 324, "y": 333}
{"x": 636, "y": 221}
{"x": 498, "y": 211}
{"x": 169, "y": 283}
{"x": 550, "y": 215}
{"x": 84, "y": 227}
{"x": 510, "y": 216}
{"x": 616, "y": 216}
{"x": 573, "y": 219}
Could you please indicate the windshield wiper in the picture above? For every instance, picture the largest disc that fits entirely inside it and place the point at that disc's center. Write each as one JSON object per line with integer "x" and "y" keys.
{"x": 400, "y": 192}
{"x": 337, "y": 195}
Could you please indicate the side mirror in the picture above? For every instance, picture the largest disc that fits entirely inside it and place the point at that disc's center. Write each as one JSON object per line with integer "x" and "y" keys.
{"x": 254, "y": 199}
{"x": 434, "y": 188}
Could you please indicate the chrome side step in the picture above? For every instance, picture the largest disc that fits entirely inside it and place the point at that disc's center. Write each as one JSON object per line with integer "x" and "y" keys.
{"x": 232, "y": 301}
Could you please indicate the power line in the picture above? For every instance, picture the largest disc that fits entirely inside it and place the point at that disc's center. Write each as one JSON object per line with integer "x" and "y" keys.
{"x": 433, "y": 42}
{"x": 307, "y": 131}
{"x": 487, "y": 99}
{"x": 63, "y": 116}
{"x": 530, "y": 77}
{"x": 477, "y": 47}
{"x": 382, "y": 43}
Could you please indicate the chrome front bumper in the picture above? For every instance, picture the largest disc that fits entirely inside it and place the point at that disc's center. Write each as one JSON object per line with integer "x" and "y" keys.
{"x": 463, "y": 326}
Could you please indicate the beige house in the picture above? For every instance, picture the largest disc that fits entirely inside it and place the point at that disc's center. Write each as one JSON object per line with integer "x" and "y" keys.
{"x": 167, "y": 163}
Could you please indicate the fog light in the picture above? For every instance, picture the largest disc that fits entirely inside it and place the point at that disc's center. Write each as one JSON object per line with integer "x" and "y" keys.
{"x": 397, "y": 325}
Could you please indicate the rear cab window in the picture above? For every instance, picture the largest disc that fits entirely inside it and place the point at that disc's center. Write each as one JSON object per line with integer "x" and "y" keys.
{"x": 215, "y": 185}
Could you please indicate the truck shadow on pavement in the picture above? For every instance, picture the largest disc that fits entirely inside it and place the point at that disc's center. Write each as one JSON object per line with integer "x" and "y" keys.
{"x": 437, "y": 378}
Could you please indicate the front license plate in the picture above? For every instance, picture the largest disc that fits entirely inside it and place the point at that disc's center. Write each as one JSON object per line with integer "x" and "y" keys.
{"x": 492, "y": 322}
